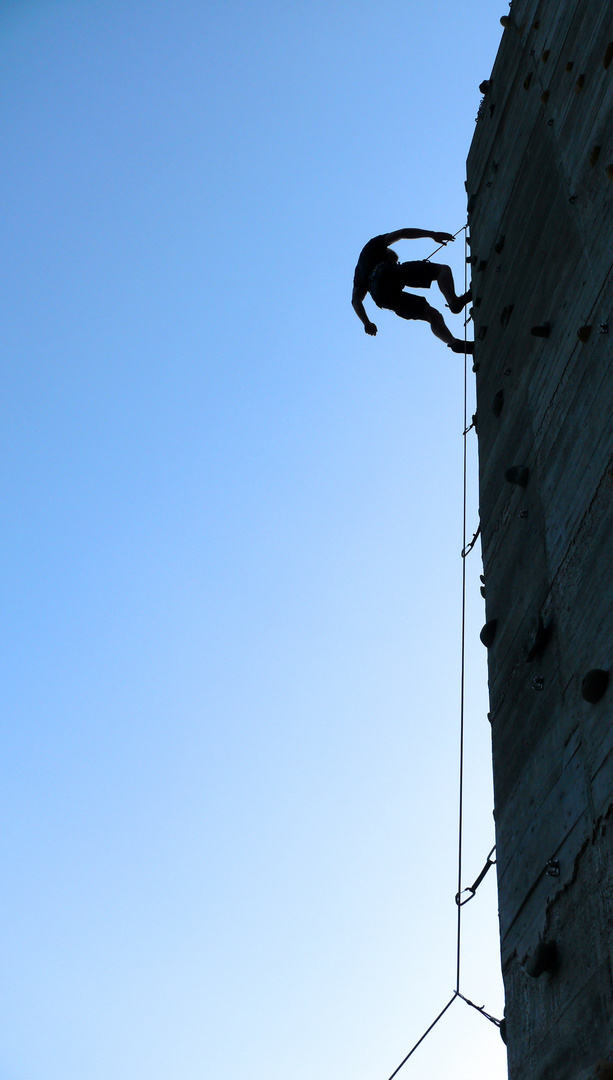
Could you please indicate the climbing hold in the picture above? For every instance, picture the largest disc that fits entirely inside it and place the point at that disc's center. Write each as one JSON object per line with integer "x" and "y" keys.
{"x": 523, "y": 514}
{"x": 537, "y": 683}
{"x": 498, "y": 246}
{"x": 550, "y": 122}
{"x": 545, "y": 97}
{"x": 517, "y": 474}
{"x": 488, "y": 633}
{"x": 503, "y": 1030}
{"x": 583, "y": 333}
{"x": 541, "y": 331}
{"x": 505, "y": 20}
{"x": 482, "y": 266}
{"x": 580, "y": 83}
{"x": 472, "y": 202}
{"x": 492, "y": 107}
{"x": 476, "y": 366}
{"x": 544, "y": 958}
{"x": 608, "y": 55}
{"x": 485, "y": 87}
{"x": 609, "y": 171}
{"x": 603, "y": 328}
{"x": 594, "y": 684}
{"x": 507, "y": 371}
{"x": 527, "y": 80}
{"x": 572, "y": 199}
{"x": 482, "y": 591}
{"x": 540, "y": 640}
{"x": 545, "y": 55}
{"x": 536, "y": 24}
{"x": 594, "y": 156}
{"x": 498, "y": 402}
{"x": 570, "y": 65}
{"x": 471, "y": 259}
{"x": 505, "y": 315}
{"x": 482, "y": 332}
{"x": 552, "y": 868}
{"x": 477, "y": 301}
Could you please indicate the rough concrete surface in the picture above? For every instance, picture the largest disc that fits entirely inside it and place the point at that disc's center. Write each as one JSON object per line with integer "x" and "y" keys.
{"x": 540, "y": 190}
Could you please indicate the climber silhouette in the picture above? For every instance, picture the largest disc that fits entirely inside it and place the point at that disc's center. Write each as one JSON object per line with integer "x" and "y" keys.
{"x": 379, "y": 273}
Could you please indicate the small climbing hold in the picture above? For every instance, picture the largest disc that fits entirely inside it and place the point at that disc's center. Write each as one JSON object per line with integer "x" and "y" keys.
{"x": 482, "y": 333}
{"x": 537, "y": 683}
{"x": 594, "y": 685}
{"x": 570, "y": 65}
{"x": 488, "y": 633}
{"x": 583, "y": 333}
{"x": 541, "y": 331}
{"x": 477, "y": 301}
{"x": 505, "y": 20}
{"x": 527, "y": 80}
{"x": 603, "y": 328}
{"x": 492, "y": 107}
{"x": 550, "y": 122}
{"x": 536, "y": 24}
{"x": 609, "y": 171}
{"x": 498, "y": 246}
{"x": 572, "y": 199}
{"x": 544, "y": 958}
{"x": 503, "y": 1030}
{"x": 545, "y": 55}
{"x": 580, "y": 83}
{"x": 517, "y": 474}
{"x": 476, "y": 366}
{"x": 498, "y": 402}
{"x": 472, "y": 202}
{"x": 540, "y": 640}
{"x": 523, "y": 514}
{"x": 608, "y": 55}
{"x": 545, "y": 97}
{"x": 507, "y": 371}
{"x": 482, "y": 591}
{"x": 505, "y": 315}
{"x": 471, "y": 259}
{"x": 482, "y": 266}
{"x": 485, "y": 86}
{"x": 552, "y": 868}
{"x": 594, "y": 155}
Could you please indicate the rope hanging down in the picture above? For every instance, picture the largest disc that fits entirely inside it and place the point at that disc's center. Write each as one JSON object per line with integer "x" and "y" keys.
{"x": 466, "y": 548}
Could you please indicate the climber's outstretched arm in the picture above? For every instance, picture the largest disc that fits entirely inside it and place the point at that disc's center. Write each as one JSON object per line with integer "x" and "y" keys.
{"x": 418, "y": 234}
{"x": 357, "y": 302}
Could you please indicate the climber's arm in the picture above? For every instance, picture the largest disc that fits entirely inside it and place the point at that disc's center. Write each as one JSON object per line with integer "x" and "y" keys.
{"x": 417, "y": 234}
{"x": 357, "y": 303}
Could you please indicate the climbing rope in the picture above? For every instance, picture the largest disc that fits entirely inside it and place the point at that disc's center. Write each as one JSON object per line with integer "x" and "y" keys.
{"x": 466, "y": 548}
{"x": 444, "y": 244}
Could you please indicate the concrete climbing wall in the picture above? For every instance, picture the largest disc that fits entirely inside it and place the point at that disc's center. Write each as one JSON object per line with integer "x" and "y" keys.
{"x": 540, "y": 188}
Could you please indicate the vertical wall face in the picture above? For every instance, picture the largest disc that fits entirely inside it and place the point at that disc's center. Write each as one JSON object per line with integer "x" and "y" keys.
{"x": 540, "y": 184}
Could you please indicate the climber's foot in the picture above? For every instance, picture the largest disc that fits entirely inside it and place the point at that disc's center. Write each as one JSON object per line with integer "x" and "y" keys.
{"x": 461, "y": 302}
{"x": 459, "y": 346}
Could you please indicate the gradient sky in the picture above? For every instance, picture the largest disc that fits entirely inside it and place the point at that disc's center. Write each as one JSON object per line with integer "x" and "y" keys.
{"x": 232, "y": 528}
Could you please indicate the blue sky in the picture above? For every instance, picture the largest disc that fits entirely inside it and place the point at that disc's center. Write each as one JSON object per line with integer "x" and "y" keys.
{"x": 232, "y": 525}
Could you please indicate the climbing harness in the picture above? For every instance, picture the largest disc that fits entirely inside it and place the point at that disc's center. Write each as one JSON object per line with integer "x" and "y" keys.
{"x": 460, "y": 902}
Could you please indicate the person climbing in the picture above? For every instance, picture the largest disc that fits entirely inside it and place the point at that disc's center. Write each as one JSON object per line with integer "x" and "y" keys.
{"x": 379, "y": 272}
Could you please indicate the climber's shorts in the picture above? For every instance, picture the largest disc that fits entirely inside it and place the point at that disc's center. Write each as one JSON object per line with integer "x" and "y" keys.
{"x": 387, "y": 281}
